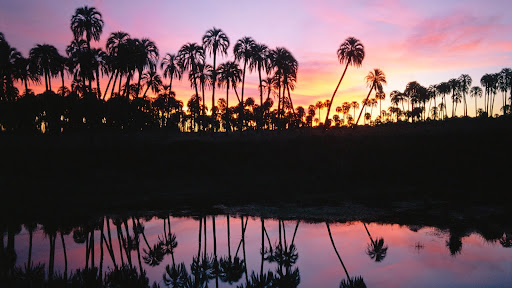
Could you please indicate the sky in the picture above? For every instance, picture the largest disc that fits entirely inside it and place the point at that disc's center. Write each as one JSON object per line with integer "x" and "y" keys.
{"x": 425, "y": 41}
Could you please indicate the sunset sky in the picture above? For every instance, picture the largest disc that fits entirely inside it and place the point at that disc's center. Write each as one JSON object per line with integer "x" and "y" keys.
{"x": 426, "y": 41}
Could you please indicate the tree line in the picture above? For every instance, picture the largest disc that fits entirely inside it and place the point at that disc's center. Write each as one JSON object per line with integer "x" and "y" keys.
{"x": 131, "y": 66}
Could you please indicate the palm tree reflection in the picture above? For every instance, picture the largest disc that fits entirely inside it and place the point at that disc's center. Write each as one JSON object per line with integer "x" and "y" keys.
{"x": 376, "y": 249}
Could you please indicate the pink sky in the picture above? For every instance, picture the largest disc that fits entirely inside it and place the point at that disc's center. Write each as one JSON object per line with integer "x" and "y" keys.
{"x": 425, "y": 41}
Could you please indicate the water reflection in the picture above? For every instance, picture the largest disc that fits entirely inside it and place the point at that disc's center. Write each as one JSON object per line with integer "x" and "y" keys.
{"x": 241, "y": 251}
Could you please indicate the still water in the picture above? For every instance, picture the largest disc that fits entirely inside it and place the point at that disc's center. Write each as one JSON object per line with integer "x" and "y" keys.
{"x": 240, "y": 251}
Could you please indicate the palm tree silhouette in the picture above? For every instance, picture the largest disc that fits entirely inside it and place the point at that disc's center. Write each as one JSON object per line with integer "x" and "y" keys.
{"x": 374, "y": 80}
{"x": 117, "y": 50}
{"x": 215, "y": 40}
{"x": 444, "y": 88}
{"x": 229, "y": 74}
{"x": 146, "y": 55}
{"x": 260, "y": 60}
{"x": 189, "y": 56}
{"x": 285, "y": 66}
{"x": 455, "y": 87}
{"x": 243, "y": 52}
{"x": 87, "y": 21}
{"x": 376, "y": 250}
{"x": 152, "y": 80}
{"x": 464, "y": 85}
{"x": 351, "y": 52}
{"x": 231, "y": 269}
{"x": 350, "y": 282}
{"x": 475, "y": 92}
{"x": 44, "y": 58}
{"x": 171, "y": 68}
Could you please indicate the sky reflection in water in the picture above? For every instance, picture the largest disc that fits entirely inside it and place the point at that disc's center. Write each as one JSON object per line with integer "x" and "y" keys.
{"x": 419, "y": 259}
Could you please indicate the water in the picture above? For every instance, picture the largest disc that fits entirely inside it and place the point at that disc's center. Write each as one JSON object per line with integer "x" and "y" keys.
{"x": 407, "y": 256}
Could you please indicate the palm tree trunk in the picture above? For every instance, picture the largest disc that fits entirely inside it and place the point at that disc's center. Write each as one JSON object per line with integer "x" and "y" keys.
{"x": 170, "y": 86}
{"x": 65, "y": 256}
{"x": 214, "y": 74}
{"x": 110, "y": 242}
{"x": 62, "y": 78}
{"x": 229, "y": 238}
{"x": 333, "y": 94}
{"x": 138, "y": 82}
{"x": 336, "y": 250}
{"x": 98, "y": 83}
{"x": 108, "y": 85}
{"x": 242, "y": 107}
{"x": 262, "y": 245}
{"x": 199, "y": 241}
{"x": 364, "y": 104}
{"x": 119, "y": 238}
{"x": 145, "y": 91}
{"x": 31, "y": 234}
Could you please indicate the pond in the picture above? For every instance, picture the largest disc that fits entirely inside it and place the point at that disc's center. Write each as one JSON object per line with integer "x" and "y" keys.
{"x": 242, "y": 251}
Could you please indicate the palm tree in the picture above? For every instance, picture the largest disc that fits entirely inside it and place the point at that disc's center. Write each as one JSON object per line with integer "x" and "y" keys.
{"x": 380, "y": 96}
{"x": 351, "y": 52}
{"x": 116, "y": 48}
{"x": 152, "y": 80}
{"x": 374, "y": 80}
{"x": 376, "y": 250}
{"x": 243, "y": 52}
{"x": 475, "y": 92}
{"x": 355, "y": 105}
{"x": 45, "y": 58}
{"x": 87, "y": 21}
{"x": 443, "y": 89}
{"x": 229, "y": 74}
{"x": 351, "y": 282}
{"x": 98, "y": 64}
{"x": 319, "y": 105}
{"x": 464, "y": 85}
{"x": 456, "y": 93}
{"x": 286, "y": 67}
{"x": 171, "y": 68}
{"x": 504, "y": 83}
{"x": 215, "y": 40}
{"x": 81, "y": 62}
{"x": 24, "y": 70}
{"x": 146, "y": 56}
{"x": 260, "y": 60}
{"x": 188, "y": 56}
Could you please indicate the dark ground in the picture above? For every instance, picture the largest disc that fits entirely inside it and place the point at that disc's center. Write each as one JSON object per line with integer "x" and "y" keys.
{"x": 461, "y": 163}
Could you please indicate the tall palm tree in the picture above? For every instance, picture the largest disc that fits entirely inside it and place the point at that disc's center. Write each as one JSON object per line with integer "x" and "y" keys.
{"x": 10, "y": 66}
{"x": 99, "y": 64}
{"x": 319, "y": 105}
{"x": 188, "y": 56}
{"x": 355, "y": 105}
{"x": 152, "y": 80}
{"x": 376, "y": 250}
{"x": 286, "y": 67}
{"x": 487, "y": 82}
{"x": 351, "y": 282}
{"x": 260, "y": 60}
{"x": 87, "y": 21}
{"x": 215, "y": 40}
{"x": 475, "y": 92}
{"x": 464, "y": 85}
{"x": 456, "y": 93}
{"x": 443, "y": 88}
{"x": 116, "y": 48}
{"x": 243, "y": 52}
{"x": 229, "y": 74}
{"x": 81, "y": 62}
{"x": 380, "y": 96}
{"x": 171, "y": 68}
{"x": 145, "y": 57}
{"x": 45, "y": 57}
{"x": 351, "y": 52}
{"x": 375, "y": 79}
{"x": 504, "y": 84}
